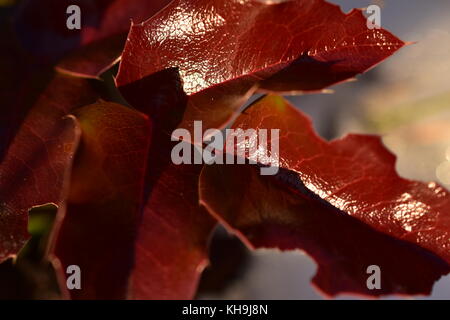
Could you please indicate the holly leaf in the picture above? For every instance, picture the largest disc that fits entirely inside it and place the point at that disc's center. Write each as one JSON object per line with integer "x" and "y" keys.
{"x": 41, "y": 110}
{"x": 342, "y": 202}
{"x": 35, "y": 162}
{"x": 42, "y": 28}
{"x": 223, "y": 51}
{"x": 171, "y": 248}
{"x": 96, "y": 228}
{"x": 37, "y": 140}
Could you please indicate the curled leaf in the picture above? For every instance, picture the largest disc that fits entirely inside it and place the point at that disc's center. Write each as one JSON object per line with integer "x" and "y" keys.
{"x": 224, "y": 50}
{"x": 96, "y": 227}
{"x": 36, "y": 161}
{"x": 340, "y": 201}
{"x": 171, "y": 248}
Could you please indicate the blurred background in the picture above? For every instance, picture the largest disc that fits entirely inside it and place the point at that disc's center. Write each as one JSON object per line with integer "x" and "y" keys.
{"x": 406, "y": 99}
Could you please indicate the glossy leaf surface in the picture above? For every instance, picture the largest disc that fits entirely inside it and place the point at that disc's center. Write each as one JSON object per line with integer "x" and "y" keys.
{"x": 340, "y": 201}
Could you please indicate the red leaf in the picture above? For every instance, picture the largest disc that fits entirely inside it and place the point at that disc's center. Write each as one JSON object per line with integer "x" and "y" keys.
{"x": 105, "y": 23}
{"x": 34, "y": 165}
{"x": 341, "y": 201}
{"x": 184, "y": 253}
{"x": 96, "y": 229}
{"x": 223, "y": 50}
{"x": 171, "y": 249}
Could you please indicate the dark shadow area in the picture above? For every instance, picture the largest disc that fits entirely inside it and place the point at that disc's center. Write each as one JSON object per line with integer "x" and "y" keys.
{"x": 229, "y": 259}
{"x": 30, "y": 275}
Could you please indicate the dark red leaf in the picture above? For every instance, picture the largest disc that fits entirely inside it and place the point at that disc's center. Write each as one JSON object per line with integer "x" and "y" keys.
{"x": 96, "y": 229}
{"x": 171, "y": 249}
{"x": 35, "y": 163}
{"x": 223, "y": 50}
{"x": 341, "y": 201}
{"x": 105, "y": 23}
{"x": 184, "y": 254}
